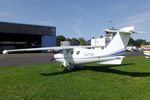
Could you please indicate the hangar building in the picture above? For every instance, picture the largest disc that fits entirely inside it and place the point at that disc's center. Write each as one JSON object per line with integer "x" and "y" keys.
{"x": 15, "y": 35}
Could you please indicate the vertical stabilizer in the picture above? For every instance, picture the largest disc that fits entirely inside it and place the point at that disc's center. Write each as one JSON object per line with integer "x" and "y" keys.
{"x": 119, "y": 42}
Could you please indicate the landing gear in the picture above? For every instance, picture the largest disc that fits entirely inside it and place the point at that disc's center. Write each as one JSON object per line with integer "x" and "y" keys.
{"x": 71, "y": 67}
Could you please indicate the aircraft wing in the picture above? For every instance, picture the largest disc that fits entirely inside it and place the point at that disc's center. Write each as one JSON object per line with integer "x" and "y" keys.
{"x": 47, "y": 48}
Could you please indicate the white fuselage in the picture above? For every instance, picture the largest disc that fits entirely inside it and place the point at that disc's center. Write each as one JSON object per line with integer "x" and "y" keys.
{"x": 83, "y": 55}
{"x": 147, "y": 52}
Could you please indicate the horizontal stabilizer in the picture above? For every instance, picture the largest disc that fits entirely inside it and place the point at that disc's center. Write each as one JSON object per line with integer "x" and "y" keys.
{"x": 122, "y": 30}
{"x": 116, "y": 61}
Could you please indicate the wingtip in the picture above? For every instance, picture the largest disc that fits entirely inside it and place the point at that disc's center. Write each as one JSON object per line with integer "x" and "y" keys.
{"x": 4, "y": 52}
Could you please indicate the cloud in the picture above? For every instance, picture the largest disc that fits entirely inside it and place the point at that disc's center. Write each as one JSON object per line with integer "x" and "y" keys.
{"x": 141, "y": 23}
{"x": 136, "y": 20}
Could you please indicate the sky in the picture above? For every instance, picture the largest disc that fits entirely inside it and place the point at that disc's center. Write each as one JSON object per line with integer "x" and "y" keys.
{"x": 80, "y": 18}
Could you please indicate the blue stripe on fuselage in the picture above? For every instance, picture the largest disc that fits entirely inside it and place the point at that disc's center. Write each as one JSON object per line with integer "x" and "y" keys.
{"x": 119, "y": 53}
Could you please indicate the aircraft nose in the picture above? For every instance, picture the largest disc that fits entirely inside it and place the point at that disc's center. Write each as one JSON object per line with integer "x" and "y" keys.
{"x": 57, "y": 56}
{"x": 52, "y": 58}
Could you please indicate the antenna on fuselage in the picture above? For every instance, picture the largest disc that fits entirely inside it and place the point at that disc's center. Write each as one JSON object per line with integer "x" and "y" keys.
{"x": 110, "y": 34}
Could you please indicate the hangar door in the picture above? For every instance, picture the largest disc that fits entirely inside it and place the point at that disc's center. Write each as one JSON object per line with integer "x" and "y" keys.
{"x": 15, "y": 41}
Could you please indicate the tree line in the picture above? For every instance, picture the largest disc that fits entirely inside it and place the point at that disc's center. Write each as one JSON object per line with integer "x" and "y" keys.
{"x": 82, "y": 41}
{"x": 138, "y": 42}
{"x": 73, "y": 41}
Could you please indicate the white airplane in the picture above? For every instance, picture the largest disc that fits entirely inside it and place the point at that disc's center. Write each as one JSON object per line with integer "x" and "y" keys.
{"x": 131, "y": 48}
{"x": 146, "y": 51}
{"x": 71, "y": 56}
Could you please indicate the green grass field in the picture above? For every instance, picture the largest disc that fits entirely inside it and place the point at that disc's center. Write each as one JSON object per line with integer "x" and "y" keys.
{"x": 130, "y": 81}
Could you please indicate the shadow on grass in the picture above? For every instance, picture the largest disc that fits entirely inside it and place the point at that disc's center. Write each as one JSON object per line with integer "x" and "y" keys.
{"x": 62, "y": 72}
{"x": 55, "y": 73}
{"x": 104, "y": 69}
{"x": 108, "y": 69}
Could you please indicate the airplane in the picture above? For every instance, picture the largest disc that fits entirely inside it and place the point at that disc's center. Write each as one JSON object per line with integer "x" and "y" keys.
{"x": 146, "y": 51}
{"x": 71, "y": 56}
{"x": 132, "y": 48}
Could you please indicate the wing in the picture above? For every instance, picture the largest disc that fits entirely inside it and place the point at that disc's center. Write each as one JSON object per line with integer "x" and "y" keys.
{"x": 47, "y": 48}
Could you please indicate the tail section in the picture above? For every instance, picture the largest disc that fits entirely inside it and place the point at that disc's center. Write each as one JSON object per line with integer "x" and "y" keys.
{"x": 119, "y": 42}
{"x": 113, "y": 61}
{"x": 115, "y": 50}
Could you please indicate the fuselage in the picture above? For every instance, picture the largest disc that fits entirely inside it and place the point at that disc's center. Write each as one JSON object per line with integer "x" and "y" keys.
{"x": 82, "y": 55}
{"x": 77, "y": 56}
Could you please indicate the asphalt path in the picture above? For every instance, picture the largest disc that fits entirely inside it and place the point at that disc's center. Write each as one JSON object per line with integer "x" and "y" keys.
{"x": 24, "y": 59}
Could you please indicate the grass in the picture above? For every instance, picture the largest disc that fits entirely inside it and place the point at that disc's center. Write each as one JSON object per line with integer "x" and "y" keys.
{"x": 130, "y": 81}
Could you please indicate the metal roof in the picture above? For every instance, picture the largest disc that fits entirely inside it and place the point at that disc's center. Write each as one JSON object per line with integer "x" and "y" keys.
{"x": 17, "y": 28}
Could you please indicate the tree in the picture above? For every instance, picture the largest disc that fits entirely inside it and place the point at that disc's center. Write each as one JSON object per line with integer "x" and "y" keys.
{"x": 82, "y": 41}
{"x": 68, "y": 39}
{"x": 59, "y": 39}
{"x": 137, "y": 42}
{"x": 131, "y": 42}
{"x": 75, "y": 41}
{"x": 140, "y": 42}
{"x": 88, "y": 42}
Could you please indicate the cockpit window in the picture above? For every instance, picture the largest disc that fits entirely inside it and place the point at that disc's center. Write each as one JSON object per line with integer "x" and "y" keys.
{"x": 78, "y": 52}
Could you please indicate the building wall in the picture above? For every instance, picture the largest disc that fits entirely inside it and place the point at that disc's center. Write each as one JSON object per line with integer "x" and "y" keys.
{"x": 30, "y": 35}
{"x": 48, "y": 41}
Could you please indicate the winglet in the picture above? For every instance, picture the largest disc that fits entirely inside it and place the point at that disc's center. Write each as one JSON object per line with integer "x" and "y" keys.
{"x": 127, "y": 29}
{"x": 5, "y": 52}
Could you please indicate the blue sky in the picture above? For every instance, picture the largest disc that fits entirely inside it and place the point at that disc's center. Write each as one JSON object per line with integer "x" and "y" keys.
{"x": 80, "y": 18}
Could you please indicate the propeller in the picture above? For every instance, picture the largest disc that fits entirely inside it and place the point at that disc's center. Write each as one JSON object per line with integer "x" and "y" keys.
{"x": 52, "y": 58}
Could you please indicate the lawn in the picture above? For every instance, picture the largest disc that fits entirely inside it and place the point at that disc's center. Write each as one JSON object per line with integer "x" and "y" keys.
{"x": 129, "y": 81}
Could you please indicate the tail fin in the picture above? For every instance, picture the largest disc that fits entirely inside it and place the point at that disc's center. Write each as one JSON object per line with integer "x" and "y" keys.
{"x": 119, "y": 42}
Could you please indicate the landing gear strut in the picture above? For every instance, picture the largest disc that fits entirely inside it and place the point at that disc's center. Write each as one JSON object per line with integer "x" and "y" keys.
{"x": 71, "y": 67}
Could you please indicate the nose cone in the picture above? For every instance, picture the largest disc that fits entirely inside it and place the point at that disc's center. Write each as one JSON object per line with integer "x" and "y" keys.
{"x": 57, "y": 56}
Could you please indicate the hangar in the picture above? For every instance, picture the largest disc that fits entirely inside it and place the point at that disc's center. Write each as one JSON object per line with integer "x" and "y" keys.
{"x": 16, "y": 35}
